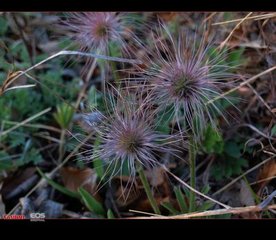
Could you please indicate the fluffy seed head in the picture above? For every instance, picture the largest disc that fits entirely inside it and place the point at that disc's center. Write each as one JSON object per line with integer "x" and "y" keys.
{"x": 128, "y": 136}
{"x": 94, "y": 31}
{"x": 181, "y": 74}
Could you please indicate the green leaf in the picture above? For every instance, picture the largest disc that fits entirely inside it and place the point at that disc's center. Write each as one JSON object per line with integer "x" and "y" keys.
{"x": 213, "y": 142}
{"x": 90, "y": 202}
{"x": 94, "y": 97}
{"x": 163, "y": 120}
{"x": 180, "y": 199}
{"x": 114, "y": 49}
{"x": 206, "y": 189}
{"x": 110, "y": 214}
{"x": 5, "y": 165}
{"x": 5, "y": 162}
{"x": 170, "y": 207}
{"x": 64, "y": 115}
{"x": 58, "y": 186}
{"x": 31, "y": 155}
{"x": 273, "y": 131}
{"x": 232, "y": 149}
{"x": 205, "y": 206}
{"x": 98, "y": 163}
{"x": 3, "y": 26}
{"x": 235, "y": 57}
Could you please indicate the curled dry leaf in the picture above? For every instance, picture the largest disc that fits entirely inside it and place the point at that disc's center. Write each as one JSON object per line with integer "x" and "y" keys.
{"x": 74, "y": 178}
{"x": 266, "y": 174}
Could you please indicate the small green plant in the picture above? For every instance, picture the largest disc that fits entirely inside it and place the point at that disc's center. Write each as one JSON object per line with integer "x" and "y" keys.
{"x": 229, "y": 161}
{"x": 182, "y": 197}
{"x": 212, "y": 141}
{"x": 64, "y": 115}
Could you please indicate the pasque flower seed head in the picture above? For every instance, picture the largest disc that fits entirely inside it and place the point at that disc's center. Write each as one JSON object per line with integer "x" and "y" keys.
{"x": 181, "y": 74}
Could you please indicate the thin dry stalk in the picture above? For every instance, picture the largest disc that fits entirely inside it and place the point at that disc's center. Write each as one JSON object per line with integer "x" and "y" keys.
{"x": 24, "y": 122}
{"x": 250, "y": 80}
{"x": 231, "y": 33}
{"x": 65, "y": 52}
{"x": 237, "y": 210}
{"x": 258, "y": 17}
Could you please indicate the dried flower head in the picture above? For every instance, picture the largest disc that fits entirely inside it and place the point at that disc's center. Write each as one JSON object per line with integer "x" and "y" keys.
{"x": 95, "y": 31}
{"x": 127, "y": 136}
{"x": 182, "y": 75}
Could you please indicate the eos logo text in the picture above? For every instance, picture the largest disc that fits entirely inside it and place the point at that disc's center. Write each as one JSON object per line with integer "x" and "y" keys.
{"x": 37, "y": 217}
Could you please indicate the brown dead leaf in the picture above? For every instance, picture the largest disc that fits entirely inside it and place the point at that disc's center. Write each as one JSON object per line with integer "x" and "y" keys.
{"x": 145, "y": 206}
{"x": 267, "y": 172}
{"x": 167, "y": 16}
{"x": 74, "y": 178}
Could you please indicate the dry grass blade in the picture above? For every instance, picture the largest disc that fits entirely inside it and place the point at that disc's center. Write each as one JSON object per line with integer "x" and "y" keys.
{"x": 257, "y": 17}
{"x": 263, "y": 180}
{"x": 146, "y": 213}
{"x": 231, "y": 33}
{"x": 237, "y": 210}
{"x": 24, "y": 122}
{"x": 40, "y": 126}
{"x": 250, "y": 80}
{"x": 64, "y": 52}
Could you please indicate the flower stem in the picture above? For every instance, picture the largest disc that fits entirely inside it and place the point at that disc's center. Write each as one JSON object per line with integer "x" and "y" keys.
{"x": 192, "y": 161}
{"x": 147, "y": 188}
